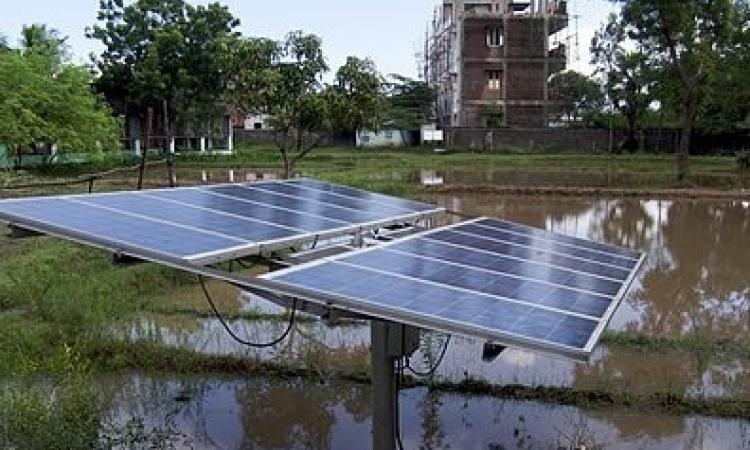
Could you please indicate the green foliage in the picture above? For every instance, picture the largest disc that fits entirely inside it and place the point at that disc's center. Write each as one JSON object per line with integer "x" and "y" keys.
{"x": 688, "y": 41}
{"x": 46, "y": 103}
{"x": 356, "y": 99}
{"x": 250, "y": 65}
{"x": 60, "y": 410}
{"x": 628, "y": 80}
{"x": 411, "y": 103}
{"x": 581, "y": 97}
{"x": 47, "y": 43}
{"x": 165, "y": 53}
{"x": 288, "y": 80}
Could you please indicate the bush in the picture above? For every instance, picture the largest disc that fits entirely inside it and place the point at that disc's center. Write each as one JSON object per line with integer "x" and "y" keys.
{"x": 55, "y": 410}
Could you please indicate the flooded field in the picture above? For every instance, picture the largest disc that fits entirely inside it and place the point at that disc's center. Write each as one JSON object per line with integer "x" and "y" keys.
{"x": 695, "y": 286}
{"x": 696, "y": 279}
{"x": 258, "y": 413}
{"x": 694, "y": 290}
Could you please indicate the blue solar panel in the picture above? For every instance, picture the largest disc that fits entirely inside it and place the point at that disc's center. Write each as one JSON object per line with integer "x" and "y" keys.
{"x": 118, "y": 228}
{"x": 394, "y": 202}
{"x": 531, "y": 289}
{"x": 208, "y": 224}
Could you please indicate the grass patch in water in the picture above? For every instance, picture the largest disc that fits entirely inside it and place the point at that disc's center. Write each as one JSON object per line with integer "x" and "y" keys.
{"x": 156, "y": 358}
{"x": 690, "y": 343}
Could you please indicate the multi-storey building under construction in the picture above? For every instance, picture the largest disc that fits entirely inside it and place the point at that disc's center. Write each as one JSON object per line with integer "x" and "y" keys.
{"x": 491, "y": 61}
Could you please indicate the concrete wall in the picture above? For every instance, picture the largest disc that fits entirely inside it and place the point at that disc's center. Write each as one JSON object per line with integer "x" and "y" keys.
{"x": 552, "y": 139}
{"x": 382, "y": 138}
{"x": 267, "y": 137}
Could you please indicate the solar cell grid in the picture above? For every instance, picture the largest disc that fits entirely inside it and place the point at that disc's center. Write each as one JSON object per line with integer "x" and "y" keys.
{"x": 207, "y": 224}
{"x": 519, "y": 293}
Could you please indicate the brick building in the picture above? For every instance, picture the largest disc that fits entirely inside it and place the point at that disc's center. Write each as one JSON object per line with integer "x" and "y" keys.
{"x": 491, "y": 61}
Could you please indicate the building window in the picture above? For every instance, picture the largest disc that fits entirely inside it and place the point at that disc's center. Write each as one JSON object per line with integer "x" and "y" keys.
{"x": 389, "y": 134}
{"x": 494, "y": 36}
{"x": 258, "y": 126}
{"x": 494, "y": 78}
{"x": 365, "y": 139}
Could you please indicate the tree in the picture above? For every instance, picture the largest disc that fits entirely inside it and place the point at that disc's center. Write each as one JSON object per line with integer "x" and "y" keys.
{"x": 289, "y": 90}
{"x": 46, "y": 42}
{"x": 624, "y": 69}
{"x": 688, "y": 38}
{"x": 580, "y": 96}
{"x": 165, "y": 54}
{"x": 410, "y": 103}
{"x": 48, "y": 102}
{"x": 296, "y": 102}
{"x": 251, "y": 65}
{"x": 356, "y": 99}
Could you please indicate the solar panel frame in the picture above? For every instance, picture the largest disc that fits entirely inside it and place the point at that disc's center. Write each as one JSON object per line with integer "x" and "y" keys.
{"x": 247, "y": 248}
{"x": 420, "y": 320}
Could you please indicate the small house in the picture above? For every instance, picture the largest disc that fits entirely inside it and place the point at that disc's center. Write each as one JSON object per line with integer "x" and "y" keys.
{"x": 387, "y": 137}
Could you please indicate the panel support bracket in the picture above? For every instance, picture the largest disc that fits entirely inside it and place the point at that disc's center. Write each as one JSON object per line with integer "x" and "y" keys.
{"x": 17, "y": 232}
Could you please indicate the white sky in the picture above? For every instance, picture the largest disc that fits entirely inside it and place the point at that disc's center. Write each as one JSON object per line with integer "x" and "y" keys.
{"x": 391, "y": 32}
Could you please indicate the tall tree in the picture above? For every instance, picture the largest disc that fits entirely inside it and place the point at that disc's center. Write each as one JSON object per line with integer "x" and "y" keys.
{"x": 581, "y": 98}
{"x": 295, "y": 100}
{"x": 356, "y": 99}
{"x": 689, "y": 38}
{"x": 45, "y": 42}
{"x": 410, "y": 103}
{"x": 48, "y": 102}
{"x": 251, "y": 65}
{"x": 164, "y": 54}
{"x": 624, "y": 69}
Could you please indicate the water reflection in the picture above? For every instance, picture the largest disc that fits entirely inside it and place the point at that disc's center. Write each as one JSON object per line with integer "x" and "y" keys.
{"x": 696, "y": 279}
{"x": 182, "y": 412}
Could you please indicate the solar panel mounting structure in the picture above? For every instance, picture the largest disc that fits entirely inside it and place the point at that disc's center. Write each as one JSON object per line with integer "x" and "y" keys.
{"x": 209, "y": 224}
{"x": 484, "y": 278}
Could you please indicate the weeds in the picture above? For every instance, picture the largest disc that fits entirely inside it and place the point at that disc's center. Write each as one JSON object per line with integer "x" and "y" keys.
{"x": 53, "y": 407}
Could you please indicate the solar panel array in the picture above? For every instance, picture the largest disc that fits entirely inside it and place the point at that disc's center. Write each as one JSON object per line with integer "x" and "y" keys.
{"x": 208, "y": 224}
{"x": 505, "y": 282}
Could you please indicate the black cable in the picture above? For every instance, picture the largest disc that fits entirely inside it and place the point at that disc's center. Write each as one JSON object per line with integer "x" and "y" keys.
{"x": 434, "y": 368}
{"x": 232, "y": 333}
{"x": 245, "y": 265}
{"x": 315, "y": 242}
{"x": 396, "y": 404}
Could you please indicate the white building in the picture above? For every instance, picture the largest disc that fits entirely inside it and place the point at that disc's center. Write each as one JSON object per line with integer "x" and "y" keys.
{"x": 384, "y": 138}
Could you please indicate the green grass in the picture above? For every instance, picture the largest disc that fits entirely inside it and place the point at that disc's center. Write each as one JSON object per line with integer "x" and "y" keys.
{"x": 391, "y": 170}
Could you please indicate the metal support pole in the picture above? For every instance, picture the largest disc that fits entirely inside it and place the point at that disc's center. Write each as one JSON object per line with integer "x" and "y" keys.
{"x": 389, "y": 342}
{"x": 383, "y": 385}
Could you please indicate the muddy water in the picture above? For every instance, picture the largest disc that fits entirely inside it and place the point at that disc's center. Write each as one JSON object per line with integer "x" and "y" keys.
{"x": 346, "y": 348}
{"x": 230, "y": 413}
{"x": 697, "y": 275}
{"x": 696, "y": 283}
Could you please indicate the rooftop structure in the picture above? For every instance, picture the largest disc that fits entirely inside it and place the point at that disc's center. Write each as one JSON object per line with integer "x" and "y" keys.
{"x": 491, "y": 61}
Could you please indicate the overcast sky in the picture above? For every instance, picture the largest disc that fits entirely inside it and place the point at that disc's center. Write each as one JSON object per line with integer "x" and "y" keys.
{"x": 391, "y": 32}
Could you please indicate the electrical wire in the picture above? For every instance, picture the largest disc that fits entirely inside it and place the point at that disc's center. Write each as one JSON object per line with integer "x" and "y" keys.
{"x": 245, "y": 265}
{"x": 431, "y": 372}
{"x": 234, "y": 335}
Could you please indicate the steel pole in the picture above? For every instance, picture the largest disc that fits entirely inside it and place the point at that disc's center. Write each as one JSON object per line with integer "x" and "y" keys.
{"x": 383, "y": 385}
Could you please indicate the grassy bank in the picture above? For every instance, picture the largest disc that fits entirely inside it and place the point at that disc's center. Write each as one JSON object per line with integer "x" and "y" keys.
{"x": 398, "y": 171}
